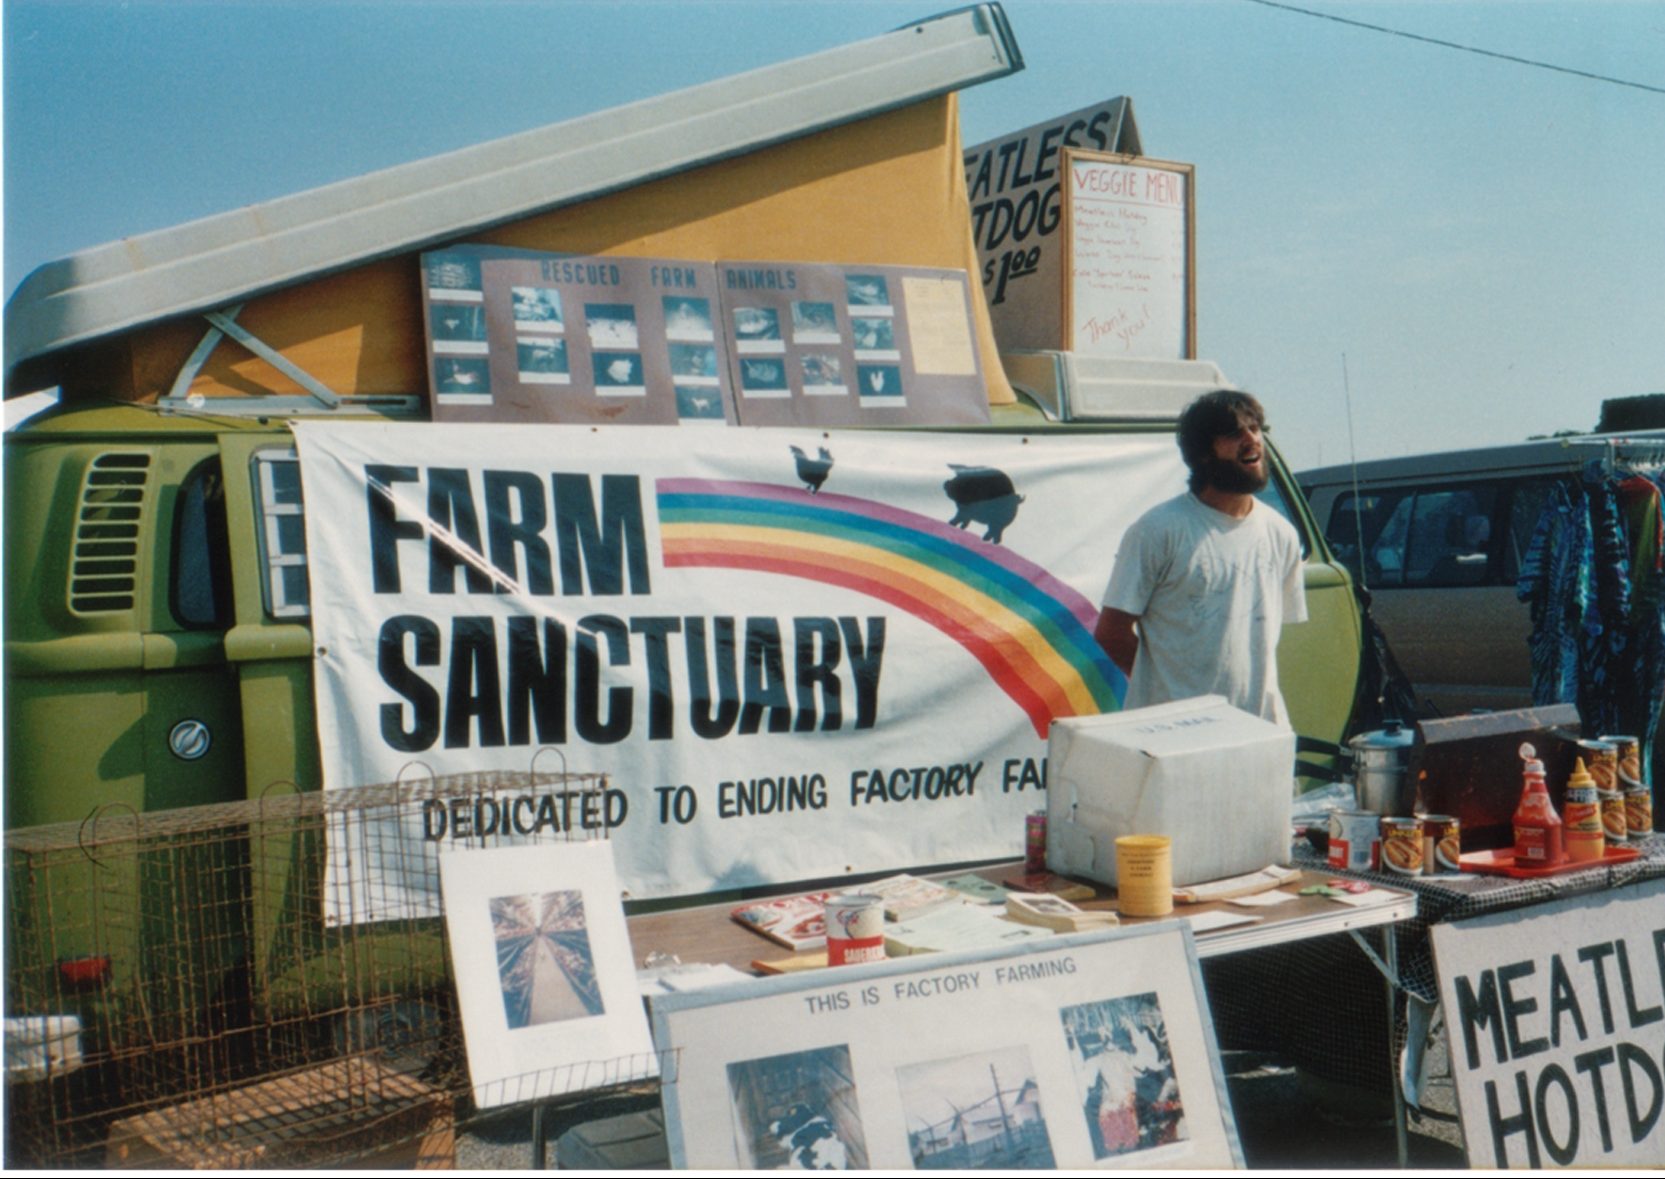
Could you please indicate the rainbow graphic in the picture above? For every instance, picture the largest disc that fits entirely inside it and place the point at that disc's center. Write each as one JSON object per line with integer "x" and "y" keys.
{"x": 1032, "y": 633}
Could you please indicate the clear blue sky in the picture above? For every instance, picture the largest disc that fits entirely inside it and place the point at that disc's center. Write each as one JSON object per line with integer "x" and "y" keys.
{"x": 1483, "y": 240}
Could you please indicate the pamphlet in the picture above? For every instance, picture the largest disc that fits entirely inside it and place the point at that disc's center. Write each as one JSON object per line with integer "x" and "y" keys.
{"x": 956, "y": 927}
{"x": 907, "y": 896}
{"x": 798, "y": 923}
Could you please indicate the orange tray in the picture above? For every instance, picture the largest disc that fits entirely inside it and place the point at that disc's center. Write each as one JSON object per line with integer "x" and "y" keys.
{"x": 1501, "y": 862}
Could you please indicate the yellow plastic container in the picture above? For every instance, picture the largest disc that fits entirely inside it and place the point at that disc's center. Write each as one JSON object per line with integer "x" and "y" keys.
{"x": 1145, "y": 875}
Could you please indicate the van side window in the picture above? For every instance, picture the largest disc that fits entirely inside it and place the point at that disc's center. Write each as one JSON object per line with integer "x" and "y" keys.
{"x": 1272, "y": 496}
{"x": 1441, "y": 537}
{"x": 277, "y": 484}
{"x": 1450, "y": 538}
{"x": 1525, "y": 506}
{"x": 1370, "y": 528}
{"x": 200, "y": 579}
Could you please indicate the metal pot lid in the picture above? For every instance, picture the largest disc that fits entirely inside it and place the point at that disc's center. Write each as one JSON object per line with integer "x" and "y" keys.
{"x": 1394, "y": 736}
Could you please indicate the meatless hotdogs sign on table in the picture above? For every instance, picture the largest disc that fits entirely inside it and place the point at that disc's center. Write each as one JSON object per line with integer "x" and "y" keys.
{"x": 1557, "y": 1022}
{"x": 795, "y": 652}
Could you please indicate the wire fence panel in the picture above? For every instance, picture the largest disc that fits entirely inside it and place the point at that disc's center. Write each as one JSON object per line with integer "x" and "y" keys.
{"x": 192, "y": 988}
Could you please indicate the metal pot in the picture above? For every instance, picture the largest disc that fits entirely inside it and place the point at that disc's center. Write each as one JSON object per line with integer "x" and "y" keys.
{"x": 1382, "y": 769}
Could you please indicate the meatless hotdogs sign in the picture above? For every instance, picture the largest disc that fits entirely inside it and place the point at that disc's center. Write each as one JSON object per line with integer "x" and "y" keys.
{"x": 794, "y": 652}
{"x": 1557, "y": 1021}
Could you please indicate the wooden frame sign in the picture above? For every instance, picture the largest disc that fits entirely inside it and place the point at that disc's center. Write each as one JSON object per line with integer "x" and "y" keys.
{"x": 1130, "y": 252}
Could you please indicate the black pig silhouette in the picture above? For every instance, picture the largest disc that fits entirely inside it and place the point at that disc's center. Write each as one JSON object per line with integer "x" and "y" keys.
{"x": 982, "y": 495}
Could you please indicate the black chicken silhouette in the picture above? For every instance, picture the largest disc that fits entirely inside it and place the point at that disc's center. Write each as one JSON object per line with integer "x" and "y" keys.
{"x": 813, "y": 471}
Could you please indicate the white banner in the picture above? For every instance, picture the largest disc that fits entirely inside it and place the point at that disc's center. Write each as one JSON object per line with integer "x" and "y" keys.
{"x": 1556, "y": 1014}
{"x": 796, "y": 653}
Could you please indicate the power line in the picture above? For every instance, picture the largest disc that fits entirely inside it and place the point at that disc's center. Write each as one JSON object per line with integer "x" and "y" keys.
{"x": 1542, "y": 65}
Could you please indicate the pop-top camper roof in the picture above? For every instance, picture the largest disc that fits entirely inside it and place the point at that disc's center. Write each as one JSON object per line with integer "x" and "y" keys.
{"x": 327, "y": 278}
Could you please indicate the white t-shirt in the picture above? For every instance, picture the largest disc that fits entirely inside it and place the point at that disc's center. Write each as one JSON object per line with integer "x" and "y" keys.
{"x": 1211, "y": 593}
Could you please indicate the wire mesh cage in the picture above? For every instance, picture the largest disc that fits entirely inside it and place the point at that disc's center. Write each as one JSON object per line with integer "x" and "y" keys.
{"x": 256, "y": 983}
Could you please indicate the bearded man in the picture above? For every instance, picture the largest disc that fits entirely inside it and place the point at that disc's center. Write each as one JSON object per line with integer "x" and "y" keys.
{"x": 1203, "y": 583}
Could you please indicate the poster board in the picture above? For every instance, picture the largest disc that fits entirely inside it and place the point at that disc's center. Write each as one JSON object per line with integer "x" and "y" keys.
{"x": 546, "y": 983}
{"x": 1089, "y": 1050}
{"x": 816, "y": 345}
{"x": 1015, "y": 185}
{"x": 757, "y": 643}
{"x": 1129, "y": 280}
{"x": 1556, "y": 1015}
{"x": 517, "y": 336}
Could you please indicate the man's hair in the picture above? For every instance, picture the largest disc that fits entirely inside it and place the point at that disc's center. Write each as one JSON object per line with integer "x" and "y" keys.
{"x": 1217, "y": 414}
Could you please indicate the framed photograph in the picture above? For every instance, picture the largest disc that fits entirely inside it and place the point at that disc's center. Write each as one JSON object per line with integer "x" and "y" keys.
{"x": 544, "y": 973}
{"x": 1086, "y": 1050}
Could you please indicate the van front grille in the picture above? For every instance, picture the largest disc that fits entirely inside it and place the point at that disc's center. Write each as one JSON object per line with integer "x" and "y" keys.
{"x": 104, "y": 561}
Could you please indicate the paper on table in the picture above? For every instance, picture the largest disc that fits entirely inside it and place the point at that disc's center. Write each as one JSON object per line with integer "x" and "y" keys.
{"x": 1365, "y": 900}
{"x": 1208, "y": 922}
{"x": 1262, "y": 900}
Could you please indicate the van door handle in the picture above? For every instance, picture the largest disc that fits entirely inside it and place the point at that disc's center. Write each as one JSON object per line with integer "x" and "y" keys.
{"x": 254, "y": 644}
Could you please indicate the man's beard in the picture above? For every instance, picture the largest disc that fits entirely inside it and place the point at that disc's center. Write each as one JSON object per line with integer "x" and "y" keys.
{"x": 1226, "y": 475}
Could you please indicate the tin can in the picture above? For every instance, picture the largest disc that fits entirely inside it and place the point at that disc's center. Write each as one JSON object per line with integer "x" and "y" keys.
{"x": 1034, "y": 842}
{"x": 1355, "y": 840}
{"x": 1616, "y": 804}
{"x": 1638, "y": 813}
{"x": 855, "y": 929}
{"x": 1402, "y": 845}
{"x": 1601, "y": 759}
{"x": 1442, "y": 844}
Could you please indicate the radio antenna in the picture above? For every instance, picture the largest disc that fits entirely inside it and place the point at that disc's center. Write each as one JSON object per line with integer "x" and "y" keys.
{"x": 1353, "y": 459}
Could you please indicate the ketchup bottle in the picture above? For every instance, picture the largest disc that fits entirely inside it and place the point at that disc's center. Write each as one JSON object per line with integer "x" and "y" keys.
{"x": 1537, "y": 826}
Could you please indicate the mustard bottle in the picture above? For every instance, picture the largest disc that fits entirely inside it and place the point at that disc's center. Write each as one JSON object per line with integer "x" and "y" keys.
{"x": 1581, "y": 818}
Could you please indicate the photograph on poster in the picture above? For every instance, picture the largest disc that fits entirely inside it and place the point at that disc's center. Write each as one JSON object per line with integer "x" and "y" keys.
{"x": 543, "y": 958}
{"x": 611, "y": 325}
{"x": 687, "y": 319}
{"x": 764, "y": 376}
{"x": 879, "y": 384}
{"x": 874, "y": 335}
{"x": 699, "y": 403}
{"x": 617, "y": 374}
{"x": 542, "y": 361}
{"x": 545, "y": 981}
{"x": 823, "y": 374}
{"x": 868, "y": 291}
{"x": 455, "y": 377}
{"x": 757, "y": 329}
{"x": 797, "y": 1112}
{"x": 453, "y": 277}
{"x": 980, "y": 1111}
{"x": 537, "y": 309}
{"x": 1124, "y": 1072}
{"x": 458, "y": 327}
{"x": 814, "y": 322}
{"x": 694, "y": 364}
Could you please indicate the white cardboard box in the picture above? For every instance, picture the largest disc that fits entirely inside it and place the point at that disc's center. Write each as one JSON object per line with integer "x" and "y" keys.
{"x": 1216, "y": 780}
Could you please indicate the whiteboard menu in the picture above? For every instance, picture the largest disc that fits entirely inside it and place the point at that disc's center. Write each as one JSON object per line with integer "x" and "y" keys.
{"x": 1129, "y": 286}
